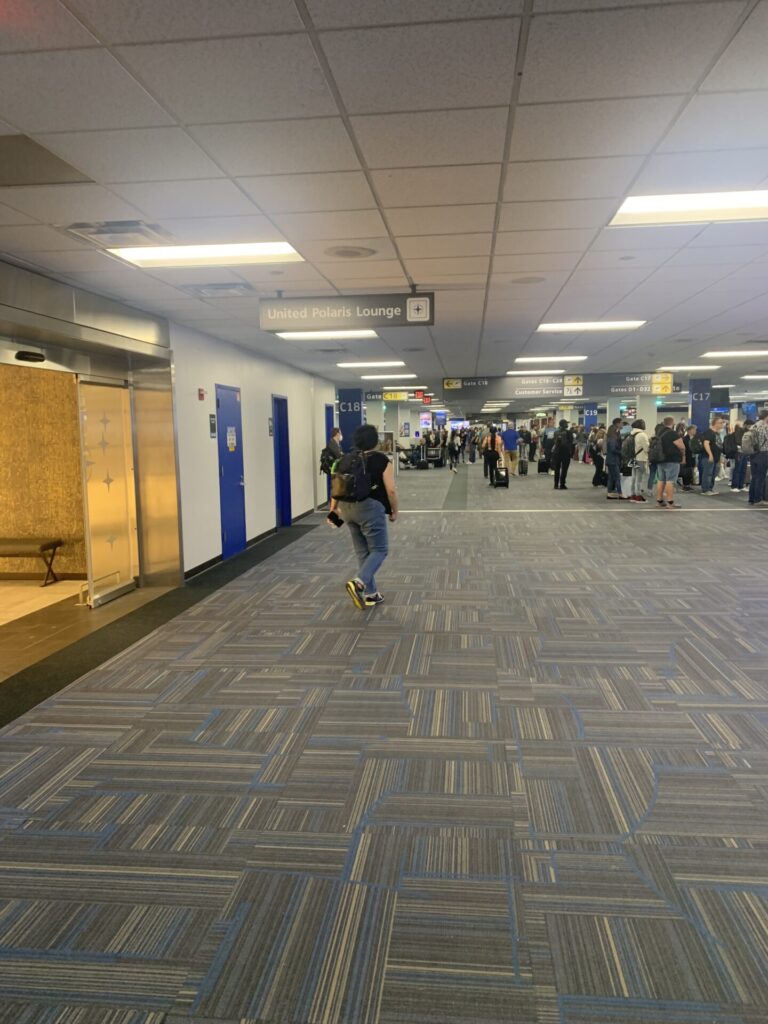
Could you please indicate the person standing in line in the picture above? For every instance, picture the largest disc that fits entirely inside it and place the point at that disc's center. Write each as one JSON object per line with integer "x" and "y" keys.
{"x": 732, "y": 451}
{"x": 639, "y": 461}
{"x": 562, "y": 453}
{"x": 686, "y": 466}
{"x": 581, "y": 441}
{"x": 613, "y": 460}
{"x": 334, "y": 443}
{"x": 366, "y": 511}
{"x": 597, "y": 454}
{"x": 510, "y": 438}
{"x": 454, "y": 449}
{"x": 710, "y": 440}
{"x": 759, "y": 459}
{"x": 493, "y": 449}
{"x": 668, "y": 469}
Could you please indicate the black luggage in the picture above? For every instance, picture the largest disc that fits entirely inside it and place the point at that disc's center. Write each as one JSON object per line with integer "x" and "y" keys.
{"x": 502, "y": 477}
{"x": 522, "y": 468}
{"x": 422, "y": 464}
{"x": 543, "y": 466}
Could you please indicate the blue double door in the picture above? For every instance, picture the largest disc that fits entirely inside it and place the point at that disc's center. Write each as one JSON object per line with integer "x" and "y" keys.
{"x": 229, "y": 424}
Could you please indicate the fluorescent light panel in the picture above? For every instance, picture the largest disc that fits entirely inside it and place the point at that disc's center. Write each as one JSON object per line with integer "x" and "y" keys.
{"x": 591, "y": 325}
{"x": 750, "y": 376}
{"x": 736, "y": 354}
{"x": 684, "y": 369}
{"x": 325, "y": 335}
{"x": 232, "y": 254}
{"x": 551, "y": 359}
{"x": 360, "y": 366}
{"x": 532, "y": 373}
{"x": 692, "y": 208}
{"x": 389, "y": 376}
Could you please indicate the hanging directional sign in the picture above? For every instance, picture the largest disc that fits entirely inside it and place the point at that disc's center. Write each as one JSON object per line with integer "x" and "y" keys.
{"x": 323, "y": 313}
{"x": 591, "y": 385}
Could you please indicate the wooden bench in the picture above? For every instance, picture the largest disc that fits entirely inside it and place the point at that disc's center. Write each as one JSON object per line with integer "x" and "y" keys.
{"x": 33, "y": 547}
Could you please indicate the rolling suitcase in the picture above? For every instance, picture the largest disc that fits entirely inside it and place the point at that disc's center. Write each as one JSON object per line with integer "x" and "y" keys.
{"x": 502, "y": 477}
{"x": 543, "y": 466}
{"x": 522, "y": 467}
{"x": 422, "y": 464}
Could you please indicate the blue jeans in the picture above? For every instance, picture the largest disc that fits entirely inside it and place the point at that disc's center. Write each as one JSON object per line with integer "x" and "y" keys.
{"x": 706, "y": 474}
{"x": 757, "y": 485}
{"x": 367, "y": 522}
{"x": 739, "y": 474}
{"x": 614, "y": 476}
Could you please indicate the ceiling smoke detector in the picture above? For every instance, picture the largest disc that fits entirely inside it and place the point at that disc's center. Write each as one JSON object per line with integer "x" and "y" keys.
{"x": 350, "y": 252}
{"x": 115, "y": 234}
{"x": 528, "y": 280}
{"x": 219, "y": 291}
{"x": 415, "y": 349}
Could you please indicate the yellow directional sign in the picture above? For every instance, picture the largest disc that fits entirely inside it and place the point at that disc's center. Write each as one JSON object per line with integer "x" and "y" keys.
{"x": 395, "y": 396}
{"x": 662, "y": 384}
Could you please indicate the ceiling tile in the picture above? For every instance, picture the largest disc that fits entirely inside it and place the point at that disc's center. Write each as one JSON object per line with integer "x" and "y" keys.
{"x": 317, "y": 251}
{"x": 5, "y": 129}
{"x": 215, "y": 198}
{"x": 179, "y": 276}
{"x": 419, "y": 269}
{"x": 10, "y": 216}
{"x": 743, "y": 65}
{"x": 570, "y": 179}
{"x": 75, "y": 259}
{"x": 445, "y": 245}
{"x": 421, "y": 186}
{"x": 441, "y": 220}
{"x": 280, "y": 147}
{"x": 35, "y": 237}
{"x": 643, "y": 52}
{"x": 151, "y": 20}
{"x": 744, "y": 233}
{"x": 300, "y": 193}
{"x": 199, "y": 230}
{"x": 462, "y": 64}
{"x": 44, "y": 25}
{"x": 720, "y": 121}
{"x": 285, "y": 275}
{"x": 437, "y": 137}
{"x": 219, "y": 80}
{"x": 83, "y": 89}
{"x": 354, "y": 285}
{"x": 136, "y": 154}
{"x": 339, "y": 224}
{"x": 720, "y": 255}
{"x": 362, "y": 270}
{"x": 64, "y": 204}
{"x": 573, "y": 213}
{"x": 597, "y": 260}
{"x": 589, "y": 129}
{"x": 343, "y": 14}
{"x": 532, "y": 263}
{"x": 514, "y": 242}
{"x": 701, "y": 172}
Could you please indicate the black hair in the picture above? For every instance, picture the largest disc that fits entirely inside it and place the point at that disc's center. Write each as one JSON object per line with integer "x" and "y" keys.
{"x": 563, "y": 424}
{"x": 365, "y": 438}
{"x": 335, "y": 431}
{"x": 640, "y": 424}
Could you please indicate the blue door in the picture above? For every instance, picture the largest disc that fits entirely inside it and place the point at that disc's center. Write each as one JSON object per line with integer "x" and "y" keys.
{"x": 329, "y": 425}
{"x": 282, "y": 461}
{"x": 231, "y": 482}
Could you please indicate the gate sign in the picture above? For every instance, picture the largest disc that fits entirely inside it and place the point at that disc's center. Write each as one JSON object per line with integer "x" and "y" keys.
{"x": 350, "y": 414}
{"x": 324, "y": 313}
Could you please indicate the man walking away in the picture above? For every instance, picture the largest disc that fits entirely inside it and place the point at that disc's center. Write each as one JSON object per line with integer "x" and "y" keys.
{"x": 510, "y": 438}
{"x": 562, "y": 453}
{"x": 635, "y": 451}
{"x": 671, "y": 451}
{"x": 364, "y": 493}
{"x": 759, "y": 445}
{"x": 710, "y": 441}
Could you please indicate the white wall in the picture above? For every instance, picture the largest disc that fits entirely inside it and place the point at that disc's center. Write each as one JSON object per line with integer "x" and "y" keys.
{"x": 202, "y": 362}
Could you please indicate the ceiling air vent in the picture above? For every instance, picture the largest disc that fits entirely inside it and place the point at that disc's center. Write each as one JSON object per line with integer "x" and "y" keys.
{"x": 119, "y": 234}
{"x": 232, "y": 290}
{"x": 350, "y": 252}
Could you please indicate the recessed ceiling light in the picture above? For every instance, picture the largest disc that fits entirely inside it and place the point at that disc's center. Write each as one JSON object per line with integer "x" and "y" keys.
{"x": 529, "y": 373}
{"x": 225, "y": 255}
{"x": 736, "y": 354}
{"x": 325, "y": 335}
{"x": 551, "y": 359}
{"x": 389, "y": 376}
{"x": 358, "y": 366}
{"x": 683, "y": 369}
{"x": 692, "y": 208}
{"x": 752, "y": 376}
{"x": 593, "y": 325}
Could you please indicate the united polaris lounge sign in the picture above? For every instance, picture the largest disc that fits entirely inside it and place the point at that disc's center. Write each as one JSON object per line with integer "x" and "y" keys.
{"x": 347, "y": 314}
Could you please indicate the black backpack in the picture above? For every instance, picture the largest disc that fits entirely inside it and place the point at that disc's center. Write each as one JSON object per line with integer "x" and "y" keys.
{"x": 697, "y": 445}
{"x": 327, "y": 458}
{"x": 656, "y": 450}
{"x": 350, "y": 479}
{"x": 731, "y": 444}
{"x": 628, "y": 448}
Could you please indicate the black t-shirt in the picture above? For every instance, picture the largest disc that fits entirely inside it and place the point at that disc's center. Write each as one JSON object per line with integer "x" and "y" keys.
{"x": 671, "y": 452}
{"x": 714, "y": 443}
{"x": 376, "y": 464}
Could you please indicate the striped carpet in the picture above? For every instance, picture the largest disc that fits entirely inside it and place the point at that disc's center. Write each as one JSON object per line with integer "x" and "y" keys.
{"x": 532, "y": 787}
